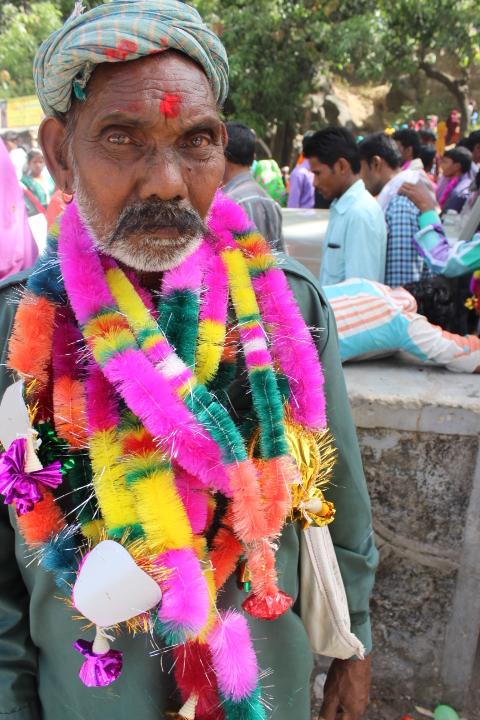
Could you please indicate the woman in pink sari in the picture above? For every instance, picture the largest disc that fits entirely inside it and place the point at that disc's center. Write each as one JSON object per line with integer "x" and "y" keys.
{"x": 18, "y": 249}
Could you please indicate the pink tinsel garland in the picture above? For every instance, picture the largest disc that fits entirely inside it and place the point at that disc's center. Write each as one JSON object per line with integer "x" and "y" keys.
{"x": 451, "y": 185}
{"x": 233, "y": 656}
{"x": 292, "y": 345}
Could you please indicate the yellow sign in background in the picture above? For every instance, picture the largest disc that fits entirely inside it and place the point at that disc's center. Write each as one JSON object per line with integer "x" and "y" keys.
{"x": 24, "y": 112}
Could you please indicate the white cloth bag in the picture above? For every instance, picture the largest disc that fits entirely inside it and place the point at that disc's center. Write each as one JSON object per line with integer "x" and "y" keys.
{"x": 323, "y": 601}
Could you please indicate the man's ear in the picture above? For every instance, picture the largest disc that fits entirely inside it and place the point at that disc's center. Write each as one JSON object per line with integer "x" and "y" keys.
{"x": 376, "y": 163}
{"x": 224, "y": 136}
{"x": 51, "y": 137}
{"x": 343, "y": 166}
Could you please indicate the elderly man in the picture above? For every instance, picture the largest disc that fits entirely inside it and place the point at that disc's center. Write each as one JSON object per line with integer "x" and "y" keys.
{"x": 162, "y": 413}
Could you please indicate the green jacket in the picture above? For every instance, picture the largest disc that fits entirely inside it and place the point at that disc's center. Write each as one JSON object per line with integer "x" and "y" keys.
{"x": 38, "y": 666}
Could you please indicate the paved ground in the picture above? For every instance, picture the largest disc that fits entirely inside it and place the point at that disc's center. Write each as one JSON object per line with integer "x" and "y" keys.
{"x": 386, "y": 704}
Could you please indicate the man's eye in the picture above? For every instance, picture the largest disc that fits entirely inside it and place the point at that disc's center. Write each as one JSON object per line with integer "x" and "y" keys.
{"x": 119, "y": 139}
{"x": 199, "y": 141}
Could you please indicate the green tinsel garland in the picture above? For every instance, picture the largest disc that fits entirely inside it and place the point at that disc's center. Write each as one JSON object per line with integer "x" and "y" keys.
{"x": 217, "y": 422}
{"x": 178, "y": 319}
{"x": 249, "y": 709}
{"x": 273, "y": 442}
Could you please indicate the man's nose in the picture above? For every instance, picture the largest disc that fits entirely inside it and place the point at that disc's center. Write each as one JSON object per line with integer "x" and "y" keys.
{"x": 164, "y": 177}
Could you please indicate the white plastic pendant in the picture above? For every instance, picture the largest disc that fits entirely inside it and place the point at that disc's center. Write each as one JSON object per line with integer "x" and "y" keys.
{"x": 111, "y": 588}
{"x": 14, "y": 419}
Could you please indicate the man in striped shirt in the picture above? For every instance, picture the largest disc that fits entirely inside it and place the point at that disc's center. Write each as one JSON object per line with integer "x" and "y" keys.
{"x": 374, "y": 320}
{"x": 241, "y": 186}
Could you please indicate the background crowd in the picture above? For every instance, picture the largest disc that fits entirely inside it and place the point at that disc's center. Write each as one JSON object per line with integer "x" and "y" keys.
{"x": 373, "y": 267}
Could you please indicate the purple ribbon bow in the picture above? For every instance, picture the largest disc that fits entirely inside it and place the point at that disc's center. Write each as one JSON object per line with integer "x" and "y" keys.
{"x": 21, "y": 487}
{"x": 98, "y": 670}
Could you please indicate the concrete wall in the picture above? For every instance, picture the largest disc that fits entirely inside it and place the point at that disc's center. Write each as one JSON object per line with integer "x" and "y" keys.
{"x": 418, "y": 428}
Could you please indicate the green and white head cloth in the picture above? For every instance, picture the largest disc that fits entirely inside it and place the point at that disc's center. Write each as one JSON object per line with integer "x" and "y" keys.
{"x": 118, "y": 31}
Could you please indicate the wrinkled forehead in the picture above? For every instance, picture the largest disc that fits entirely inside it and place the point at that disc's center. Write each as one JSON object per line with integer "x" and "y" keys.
{"x": 168, "y": 85}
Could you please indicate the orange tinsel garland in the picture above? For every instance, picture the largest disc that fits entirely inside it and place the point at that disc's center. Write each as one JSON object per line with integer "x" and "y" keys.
{"x": 70, "y": 404}
{"x": 29, "y": 353}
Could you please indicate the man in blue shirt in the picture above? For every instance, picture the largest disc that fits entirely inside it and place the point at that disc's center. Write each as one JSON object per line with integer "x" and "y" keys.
{"x": 355, "y": 243}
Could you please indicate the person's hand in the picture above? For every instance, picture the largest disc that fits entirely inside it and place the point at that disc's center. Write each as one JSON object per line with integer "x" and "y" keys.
{"x": 347, "y": 689}
{"x": 419, "y": 195}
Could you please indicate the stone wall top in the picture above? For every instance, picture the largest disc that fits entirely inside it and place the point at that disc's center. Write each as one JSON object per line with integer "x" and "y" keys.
{"x": 402, "y": 394}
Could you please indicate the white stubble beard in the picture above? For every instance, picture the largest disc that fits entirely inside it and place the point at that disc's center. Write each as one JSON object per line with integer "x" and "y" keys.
{"x": 150, "y": 254}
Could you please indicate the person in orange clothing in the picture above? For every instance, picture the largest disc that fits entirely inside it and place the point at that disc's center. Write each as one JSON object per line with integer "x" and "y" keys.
{"x": 56, "y": 205}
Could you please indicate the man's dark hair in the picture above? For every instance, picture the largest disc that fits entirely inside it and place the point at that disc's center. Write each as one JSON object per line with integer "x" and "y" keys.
{"x": 409, "y": 138}
{"x": 11, "y": 136}
{"x": 472, "y": 140}
{"x": 427, "y": 135}
{"x": 240, "y": 147}
{"x": 331, "y": 144}
{"x": 460, "y": 155}
{"x": 306, "y": 138}
{"x": 381, "y": 144}
{"x": 435, "y": 300}
{"x": 428, "y": 153}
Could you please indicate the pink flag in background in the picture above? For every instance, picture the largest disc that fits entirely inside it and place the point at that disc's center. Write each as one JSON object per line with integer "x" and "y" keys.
{"x": 18, "y": 249}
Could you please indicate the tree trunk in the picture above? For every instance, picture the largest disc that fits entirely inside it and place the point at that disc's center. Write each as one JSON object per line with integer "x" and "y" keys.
{"x": 278, "y": 143}
{"x": 457, "y": 86}
{"x": 283, "y": 143}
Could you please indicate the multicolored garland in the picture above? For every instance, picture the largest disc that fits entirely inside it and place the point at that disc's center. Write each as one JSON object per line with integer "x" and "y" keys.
{"x": 139, "y": 391}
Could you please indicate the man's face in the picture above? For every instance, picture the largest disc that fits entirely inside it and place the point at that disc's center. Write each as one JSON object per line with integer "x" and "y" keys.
{"x": 147, "y": 158}
{"x": 476, "y": 154}
{"x": 327, "y": 179}
{"x": 449, "y": 167}
{"x": 371, "y": 176}
{"x": 405, "y": 152}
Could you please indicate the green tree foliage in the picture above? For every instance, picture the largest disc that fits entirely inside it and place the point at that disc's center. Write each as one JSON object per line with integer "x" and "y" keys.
{"x": 64, "y": 6}
{"x": 432, "y": 36}
{"x": 277, "y": 47}
{"x": 21, "y": 34}
{"x": 272, "y": 59}
{"x": 349, "y": 38}
{"x": 23, "y": 27}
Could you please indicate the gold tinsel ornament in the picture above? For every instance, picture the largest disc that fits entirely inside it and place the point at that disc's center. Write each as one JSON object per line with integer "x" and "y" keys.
{"x": 315, "y": 456}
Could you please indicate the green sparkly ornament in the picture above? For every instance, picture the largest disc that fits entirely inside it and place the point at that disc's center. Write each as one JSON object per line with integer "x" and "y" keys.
{"x": 445, "y": 712}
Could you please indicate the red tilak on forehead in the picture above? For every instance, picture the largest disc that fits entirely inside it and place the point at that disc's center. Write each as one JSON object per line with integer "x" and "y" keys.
{"x": 170, "y": 105}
